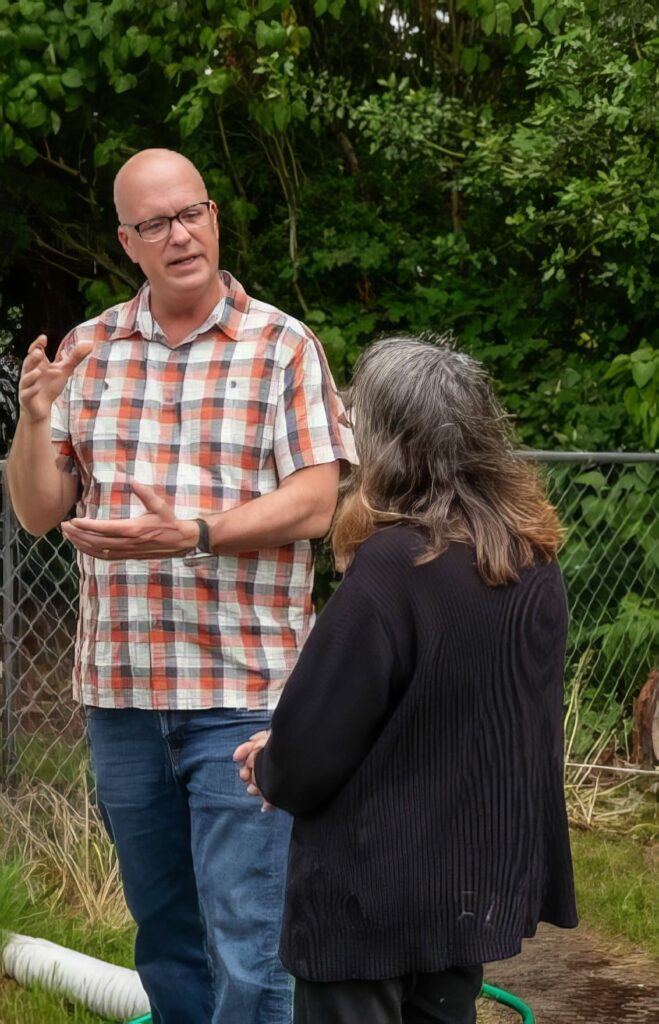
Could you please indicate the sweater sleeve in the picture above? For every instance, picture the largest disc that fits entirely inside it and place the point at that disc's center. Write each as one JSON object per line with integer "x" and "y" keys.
{"x": 334, "y": 704}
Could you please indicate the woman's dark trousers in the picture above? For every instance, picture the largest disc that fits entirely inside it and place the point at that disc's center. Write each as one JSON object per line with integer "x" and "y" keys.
{"x": 447, "y": 997}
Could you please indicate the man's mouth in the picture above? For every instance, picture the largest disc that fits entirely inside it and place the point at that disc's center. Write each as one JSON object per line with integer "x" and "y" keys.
{"x": 183, "y": 261}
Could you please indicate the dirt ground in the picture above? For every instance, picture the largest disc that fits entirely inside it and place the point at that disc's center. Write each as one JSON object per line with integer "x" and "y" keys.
{"x": 574, "y": 977}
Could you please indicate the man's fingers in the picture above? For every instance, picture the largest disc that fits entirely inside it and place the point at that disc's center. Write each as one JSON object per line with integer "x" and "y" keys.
{"x": 108, "y": 530}
{"x": 36, "y": 357}
{"x": 151, "y": 501}
{"x": 33, "y": 363}
{"x": 28, "y": 388}
{"x": 116, "y": 531}
{"x": 38, "y": 343}
{"x": 79, "y": 352}
{"x": 32, "y": 374}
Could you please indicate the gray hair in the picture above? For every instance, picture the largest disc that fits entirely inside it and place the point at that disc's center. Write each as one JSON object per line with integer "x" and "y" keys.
{"x": 436, "y": 449}
{"x": 425, "y": 416}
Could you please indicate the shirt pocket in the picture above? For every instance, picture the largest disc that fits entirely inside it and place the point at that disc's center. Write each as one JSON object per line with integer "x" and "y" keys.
{"x": 105, "y": 424}
{"x": 230, "y": 431}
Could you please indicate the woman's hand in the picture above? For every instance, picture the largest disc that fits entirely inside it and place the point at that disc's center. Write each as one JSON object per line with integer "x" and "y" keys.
{"x": 245, "y": 755}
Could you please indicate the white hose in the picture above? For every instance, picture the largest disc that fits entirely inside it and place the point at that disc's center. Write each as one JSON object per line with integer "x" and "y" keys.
{"x": 106, "y": 989}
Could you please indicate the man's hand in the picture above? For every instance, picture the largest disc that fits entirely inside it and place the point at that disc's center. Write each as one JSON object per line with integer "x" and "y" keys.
{"x": 42, "y": 381}
{"x": 156, "y": 534}
{"x": 245, "y": 755}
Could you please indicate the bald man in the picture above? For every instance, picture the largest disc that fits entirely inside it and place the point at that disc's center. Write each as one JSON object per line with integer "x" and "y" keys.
{"x": 196, "y": 434}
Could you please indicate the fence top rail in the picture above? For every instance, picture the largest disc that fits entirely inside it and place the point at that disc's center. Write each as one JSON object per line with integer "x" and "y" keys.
{"x": 539, "y": 455}
{"x": 602, "y": 457}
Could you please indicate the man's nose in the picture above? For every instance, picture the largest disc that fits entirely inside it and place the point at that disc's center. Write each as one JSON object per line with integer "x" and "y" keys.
{"x": 179, "y": 234}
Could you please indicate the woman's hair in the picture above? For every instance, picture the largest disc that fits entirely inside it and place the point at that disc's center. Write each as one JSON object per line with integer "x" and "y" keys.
{"x": 436, "y": 450}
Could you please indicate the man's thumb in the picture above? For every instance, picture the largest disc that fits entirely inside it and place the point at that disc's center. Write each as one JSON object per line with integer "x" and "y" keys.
{"x": 79, "y": 352}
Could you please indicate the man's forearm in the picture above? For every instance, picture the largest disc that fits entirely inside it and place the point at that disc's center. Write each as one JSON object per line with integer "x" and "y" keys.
{"x": 301, "y": 508}
{"x": 41, "y": 493}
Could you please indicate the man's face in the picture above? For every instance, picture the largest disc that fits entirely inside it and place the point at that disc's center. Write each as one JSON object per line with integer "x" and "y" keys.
{"x": 185, "y": 263}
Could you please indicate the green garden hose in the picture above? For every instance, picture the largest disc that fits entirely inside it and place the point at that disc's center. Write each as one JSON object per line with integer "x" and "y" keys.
{"x": 508, "y": 999}
{"x": 498, "y": 994}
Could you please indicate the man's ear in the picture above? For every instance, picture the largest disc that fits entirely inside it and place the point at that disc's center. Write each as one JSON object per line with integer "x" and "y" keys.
{"x": 126, "y": 243}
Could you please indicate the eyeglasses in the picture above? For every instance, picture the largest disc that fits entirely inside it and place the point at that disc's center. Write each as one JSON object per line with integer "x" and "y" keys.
{"x": 157, "y": 228}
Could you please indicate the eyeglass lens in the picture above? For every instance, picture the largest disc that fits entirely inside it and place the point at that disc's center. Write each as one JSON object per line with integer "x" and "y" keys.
{"x": 194, "y": 216}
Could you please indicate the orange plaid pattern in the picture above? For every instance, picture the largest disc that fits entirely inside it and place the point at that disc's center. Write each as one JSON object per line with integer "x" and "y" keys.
{"x": 220, "y": 419}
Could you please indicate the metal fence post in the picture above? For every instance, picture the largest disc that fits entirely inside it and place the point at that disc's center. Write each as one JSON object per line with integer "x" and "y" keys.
{"x": 8, "y": 675}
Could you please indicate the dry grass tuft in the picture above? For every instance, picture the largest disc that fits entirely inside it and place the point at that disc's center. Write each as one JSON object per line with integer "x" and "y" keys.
{"x": 612, "y": 805}
{"x": 65, "y": 850}
{"x": 604, "y": 791}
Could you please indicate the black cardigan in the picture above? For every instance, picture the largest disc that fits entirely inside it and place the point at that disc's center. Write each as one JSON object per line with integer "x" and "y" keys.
{"x": 419, "y": 744}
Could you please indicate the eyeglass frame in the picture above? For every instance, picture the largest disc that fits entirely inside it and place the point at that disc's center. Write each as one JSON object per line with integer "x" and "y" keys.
{"x": 208, "y": 203}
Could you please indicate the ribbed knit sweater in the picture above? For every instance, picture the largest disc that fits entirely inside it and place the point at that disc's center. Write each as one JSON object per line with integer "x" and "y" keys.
{"x": 419, "y": 744}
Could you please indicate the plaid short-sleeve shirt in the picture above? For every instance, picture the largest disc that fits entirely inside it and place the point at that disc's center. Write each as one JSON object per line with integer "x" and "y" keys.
{"x": 221, "y": 419}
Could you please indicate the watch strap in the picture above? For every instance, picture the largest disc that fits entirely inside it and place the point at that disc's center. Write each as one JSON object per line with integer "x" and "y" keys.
{"x": 204, "y": 542}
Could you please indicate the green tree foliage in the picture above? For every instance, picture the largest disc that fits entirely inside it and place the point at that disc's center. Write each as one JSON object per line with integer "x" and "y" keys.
{"x": 482, "y": 166}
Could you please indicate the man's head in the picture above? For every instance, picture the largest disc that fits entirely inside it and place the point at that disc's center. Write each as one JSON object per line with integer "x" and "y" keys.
{"x": 157, "y": 184}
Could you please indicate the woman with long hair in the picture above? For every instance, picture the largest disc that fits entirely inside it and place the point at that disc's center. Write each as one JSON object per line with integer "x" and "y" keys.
{"x": 419, "y": 741}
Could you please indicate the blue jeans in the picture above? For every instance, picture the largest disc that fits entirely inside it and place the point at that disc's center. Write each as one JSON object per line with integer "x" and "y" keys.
{"x": 203, "y": 869}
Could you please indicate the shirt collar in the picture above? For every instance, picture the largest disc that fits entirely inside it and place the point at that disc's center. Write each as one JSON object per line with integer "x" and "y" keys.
{"x": 136, "y": 316}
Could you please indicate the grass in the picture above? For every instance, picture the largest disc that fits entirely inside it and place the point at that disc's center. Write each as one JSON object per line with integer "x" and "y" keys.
{"x": 617, "y": 880}
{"x": 21, "y": 1006}
{"x": 42, "y": 757}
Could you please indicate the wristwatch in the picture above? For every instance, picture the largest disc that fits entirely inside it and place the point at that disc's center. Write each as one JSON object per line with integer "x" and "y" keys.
{"x": 203, "y": 549}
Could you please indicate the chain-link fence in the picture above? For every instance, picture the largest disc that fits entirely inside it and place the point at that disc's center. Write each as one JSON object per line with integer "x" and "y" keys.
{"x": 610, "y": 561}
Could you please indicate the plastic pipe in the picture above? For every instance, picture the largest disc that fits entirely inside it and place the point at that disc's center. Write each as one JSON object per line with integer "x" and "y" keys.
{"x": 106, "y": 989}
{"x": 508, "y": 999}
